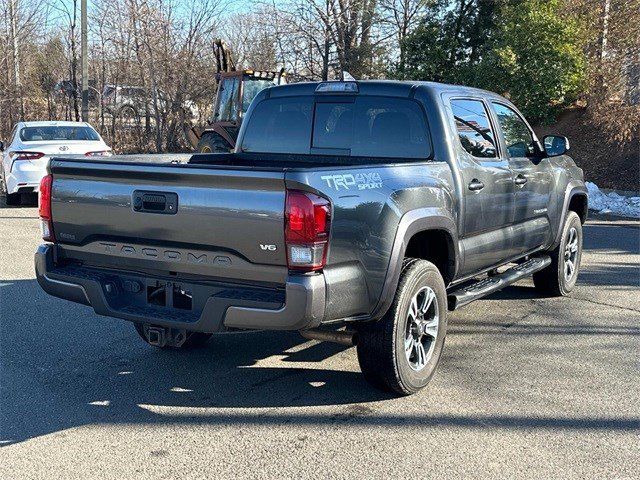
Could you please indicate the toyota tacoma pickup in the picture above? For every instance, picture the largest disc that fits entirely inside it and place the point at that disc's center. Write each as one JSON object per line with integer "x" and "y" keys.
{"x": 355, "y": 212}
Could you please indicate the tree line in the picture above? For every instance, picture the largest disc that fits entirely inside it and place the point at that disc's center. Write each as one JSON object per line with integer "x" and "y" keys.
{"x": 546, "y": 55}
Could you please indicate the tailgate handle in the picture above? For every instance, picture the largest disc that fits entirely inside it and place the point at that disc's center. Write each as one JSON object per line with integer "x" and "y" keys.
{"x": 151, "y": 201}
{"x": 155, "y": 202}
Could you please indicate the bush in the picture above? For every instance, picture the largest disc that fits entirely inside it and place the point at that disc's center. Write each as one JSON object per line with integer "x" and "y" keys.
{"x": 525, "y": 50}
{"x": 537, "y": 59}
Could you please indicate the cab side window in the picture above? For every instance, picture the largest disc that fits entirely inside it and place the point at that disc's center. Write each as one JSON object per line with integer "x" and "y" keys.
{"x": 517, "y": 135}
{"x": 474, "y": 128}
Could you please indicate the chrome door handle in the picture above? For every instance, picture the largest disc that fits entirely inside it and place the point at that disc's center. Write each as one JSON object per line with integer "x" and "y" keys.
{"x": 476, "y": 185}
{"x": 520, "y": 180}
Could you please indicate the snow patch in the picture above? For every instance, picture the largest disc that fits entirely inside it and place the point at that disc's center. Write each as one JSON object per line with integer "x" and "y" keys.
{"x": 613, "y": 202}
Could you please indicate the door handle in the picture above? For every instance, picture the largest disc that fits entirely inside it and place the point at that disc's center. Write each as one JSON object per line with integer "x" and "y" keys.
{"x": 520, "y": 180}
{"x": 476, "y": 185}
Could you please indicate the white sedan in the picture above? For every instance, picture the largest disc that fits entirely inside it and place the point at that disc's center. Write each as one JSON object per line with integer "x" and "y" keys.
{"x": 25, "y": 157}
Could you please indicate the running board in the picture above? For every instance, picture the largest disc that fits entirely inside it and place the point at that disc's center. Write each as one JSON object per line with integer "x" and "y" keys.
{"x": 484, "y": 287}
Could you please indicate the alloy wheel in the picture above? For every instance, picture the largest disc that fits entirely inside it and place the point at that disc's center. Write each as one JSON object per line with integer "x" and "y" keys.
{"x": 571, "y": 255}
{"x": 422, "y": 328}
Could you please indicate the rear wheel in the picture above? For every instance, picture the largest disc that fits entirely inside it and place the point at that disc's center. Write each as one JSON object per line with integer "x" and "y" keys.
{"x": 173, "y": 338}
{"x": 560, "y": 277}
{"x": 401, "y": 351}
{"x": 213, "y": 143}
{"x": 7, "y": 199}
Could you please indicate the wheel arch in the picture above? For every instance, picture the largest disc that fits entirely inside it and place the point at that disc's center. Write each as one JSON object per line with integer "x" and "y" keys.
{"x": 416, "y": 231}
{"x": 576, "y": 199}
{"x": 127, "y": 106}
{"x": 435, "y": 245}
{"x": 579, "y": 203}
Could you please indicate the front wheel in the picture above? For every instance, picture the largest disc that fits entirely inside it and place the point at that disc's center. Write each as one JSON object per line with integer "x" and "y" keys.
{"x": 401, "y": 351}
{"x": 560, "y": 277}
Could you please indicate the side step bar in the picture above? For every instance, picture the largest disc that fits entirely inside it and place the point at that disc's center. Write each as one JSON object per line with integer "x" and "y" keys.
{"x": 482, "y": 288}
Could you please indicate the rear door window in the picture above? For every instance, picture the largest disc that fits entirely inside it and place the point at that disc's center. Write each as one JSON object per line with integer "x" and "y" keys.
{"x": 473, "y": 127}
{"x": 364, "y": 127}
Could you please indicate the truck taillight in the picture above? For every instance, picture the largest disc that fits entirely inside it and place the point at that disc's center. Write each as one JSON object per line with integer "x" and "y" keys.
{"x": 307, "y": 222}
{"x": 44, "y": 208}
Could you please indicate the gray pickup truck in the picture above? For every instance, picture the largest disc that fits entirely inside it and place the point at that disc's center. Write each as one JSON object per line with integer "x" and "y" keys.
{"x": 356, "y": 212}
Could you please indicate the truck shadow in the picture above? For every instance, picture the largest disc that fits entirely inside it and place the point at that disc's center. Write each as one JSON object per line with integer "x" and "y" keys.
{"x": 63, "y": 366}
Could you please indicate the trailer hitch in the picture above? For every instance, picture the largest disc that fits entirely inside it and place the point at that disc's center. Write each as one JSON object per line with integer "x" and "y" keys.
{"x": 164, "y": 336}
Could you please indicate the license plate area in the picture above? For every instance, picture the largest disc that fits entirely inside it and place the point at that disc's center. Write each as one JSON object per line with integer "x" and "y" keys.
{"x": 169, "y": 294}
{"x": 182, "y": 299}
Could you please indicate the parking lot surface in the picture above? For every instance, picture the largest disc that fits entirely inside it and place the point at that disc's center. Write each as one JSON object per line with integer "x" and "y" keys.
{"x": 528, "y": 387}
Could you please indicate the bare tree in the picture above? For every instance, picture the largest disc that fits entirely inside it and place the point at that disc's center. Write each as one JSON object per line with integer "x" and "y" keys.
{"x": 613, "y": 64}
{"x": 69, "y": 15}
{"x": 321, "y": 38}
{"x": 13, "y": 19}
{"x": 400, "y": 16}
{"x": 20, "y": 20}
{"x": 252, "y": 40}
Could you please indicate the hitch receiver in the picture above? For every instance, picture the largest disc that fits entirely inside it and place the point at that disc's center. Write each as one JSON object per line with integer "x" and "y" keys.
{"x": 164, "y": 337}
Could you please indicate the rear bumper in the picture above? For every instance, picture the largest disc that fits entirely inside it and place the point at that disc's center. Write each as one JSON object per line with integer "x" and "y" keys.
{"x": 216, "y": 307}
{"x": 26, "y": 175}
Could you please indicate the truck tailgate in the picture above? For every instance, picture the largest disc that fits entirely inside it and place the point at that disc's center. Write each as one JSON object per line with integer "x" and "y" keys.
{"x": 171, "y": 218}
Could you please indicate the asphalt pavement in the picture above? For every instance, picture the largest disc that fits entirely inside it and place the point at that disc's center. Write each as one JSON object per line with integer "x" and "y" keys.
{"x": 528, "y": 387}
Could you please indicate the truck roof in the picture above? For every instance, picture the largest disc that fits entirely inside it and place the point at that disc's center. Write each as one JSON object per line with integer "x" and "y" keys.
{"x": 394, "y": 88}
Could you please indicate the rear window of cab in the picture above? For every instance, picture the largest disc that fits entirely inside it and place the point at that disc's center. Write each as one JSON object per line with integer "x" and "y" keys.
{"x": 363, "y": 126}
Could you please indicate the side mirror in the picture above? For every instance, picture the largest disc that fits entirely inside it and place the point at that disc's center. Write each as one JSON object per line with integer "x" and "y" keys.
{"x": 555, "y": 145}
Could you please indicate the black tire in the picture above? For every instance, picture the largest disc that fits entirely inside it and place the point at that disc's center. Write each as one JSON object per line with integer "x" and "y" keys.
{"x": 194, "y": 339}
{"x": 552, "y": 280}
{"x": 128, "y": 114}
{"x": 129, "y": 120}
{"x": 6, "y": 199}
{"x": 212, "y": 143}
{"x": 381, "y": 344}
